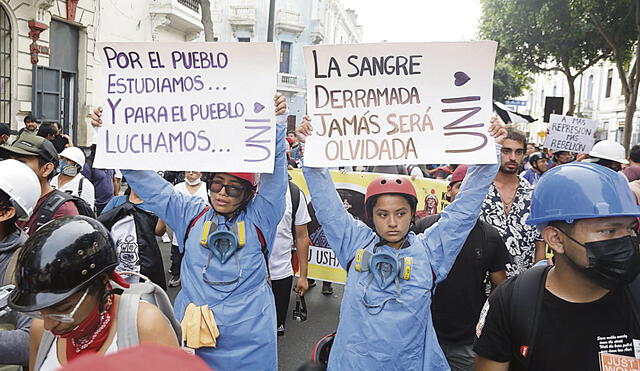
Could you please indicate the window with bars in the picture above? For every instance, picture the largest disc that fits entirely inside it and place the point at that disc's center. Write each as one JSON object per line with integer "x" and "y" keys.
{"x": 5, "y": 67}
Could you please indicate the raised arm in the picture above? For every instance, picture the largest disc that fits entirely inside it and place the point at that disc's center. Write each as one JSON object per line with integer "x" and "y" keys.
{"x": 267, "y": 208}
{"x": 445, "y": 239}
{"x": 344, "y": 233}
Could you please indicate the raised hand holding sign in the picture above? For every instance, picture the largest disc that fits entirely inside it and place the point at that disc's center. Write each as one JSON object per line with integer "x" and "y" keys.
{"x": 176, "y": 103}
{"x": 392, "y": 104}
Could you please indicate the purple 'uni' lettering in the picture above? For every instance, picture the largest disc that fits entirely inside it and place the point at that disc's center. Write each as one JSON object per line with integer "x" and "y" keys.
{"x": 257, "y": 143}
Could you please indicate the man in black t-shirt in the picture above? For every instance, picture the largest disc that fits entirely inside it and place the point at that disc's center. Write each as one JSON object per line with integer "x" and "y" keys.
{"x": 581, "y": 313}
{"x": 458, "y": 299}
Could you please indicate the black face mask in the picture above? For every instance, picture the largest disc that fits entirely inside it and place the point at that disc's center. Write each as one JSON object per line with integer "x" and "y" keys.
{"x": 611, "y": 263}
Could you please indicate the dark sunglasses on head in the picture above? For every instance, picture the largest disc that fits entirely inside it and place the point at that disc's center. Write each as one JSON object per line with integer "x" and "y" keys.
{"x": 230, "y": 189}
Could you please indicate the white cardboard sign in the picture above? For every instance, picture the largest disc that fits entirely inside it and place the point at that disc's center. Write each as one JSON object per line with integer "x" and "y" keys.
{"x": 400, "y": 103}
{"x": 568, "y": 133}
{"x": 187, "y": 106}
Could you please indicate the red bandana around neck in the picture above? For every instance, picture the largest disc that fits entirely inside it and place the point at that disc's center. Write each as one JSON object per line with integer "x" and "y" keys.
{"x": 92, "y": 332}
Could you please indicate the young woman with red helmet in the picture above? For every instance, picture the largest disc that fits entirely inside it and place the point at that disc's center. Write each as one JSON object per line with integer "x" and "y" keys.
{"x": 385, "y": 320}
{"x": 224, "y": 267}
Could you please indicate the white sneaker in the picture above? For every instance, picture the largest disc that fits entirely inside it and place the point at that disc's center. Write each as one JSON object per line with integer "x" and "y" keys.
{"x": 280, "y": 330}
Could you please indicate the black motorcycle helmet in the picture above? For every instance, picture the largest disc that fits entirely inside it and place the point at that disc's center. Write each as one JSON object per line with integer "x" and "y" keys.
{"x": 535, "y": 156}
{"x": 61, "y": 258}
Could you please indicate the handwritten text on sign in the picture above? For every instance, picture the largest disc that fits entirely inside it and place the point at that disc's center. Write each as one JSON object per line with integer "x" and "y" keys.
{"x": 377, "y": 104}
{"x": 177, "y": 106}
{"x": 568, "y": 133}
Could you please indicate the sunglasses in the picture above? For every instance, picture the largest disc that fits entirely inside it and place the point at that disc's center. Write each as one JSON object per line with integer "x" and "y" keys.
{"x": 230, "y": 189}
{"x": 60, "y": 317}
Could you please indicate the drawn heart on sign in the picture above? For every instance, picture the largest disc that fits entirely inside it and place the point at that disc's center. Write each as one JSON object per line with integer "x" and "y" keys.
{"x": 461, "y": 78}
{"x": 257, "y": 107}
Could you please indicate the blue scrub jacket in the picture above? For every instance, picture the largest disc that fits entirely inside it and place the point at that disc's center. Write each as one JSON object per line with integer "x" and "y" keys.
{"x": 400, "y": 334}
{"x": 245, "y": 310}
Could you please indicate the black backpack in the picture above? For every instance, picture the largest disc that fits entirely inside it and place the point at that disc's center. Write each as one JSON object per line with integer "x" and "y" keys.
{"x": 526, "y": 305}
{"x": 54, "y": 201}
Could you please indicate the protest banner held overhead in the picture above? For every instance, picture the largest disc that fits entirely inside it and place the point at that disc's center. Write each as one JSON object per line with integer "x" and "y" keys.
{"x": 391, "y": 104}
{"x": 568, "y": 133}
{"x": 351, "y": 187}
{"x": 204, "y": 106}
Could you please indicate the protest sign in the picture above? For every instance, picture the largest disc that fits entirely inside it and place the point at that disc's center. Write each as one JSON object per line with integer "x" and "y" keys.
{"x": 351, "y": 187}
{"x": 177, "y": 106}
{"x": 568, "y": 133}
{"x": 615, "y": 362}
{"x": 391, "y": 104}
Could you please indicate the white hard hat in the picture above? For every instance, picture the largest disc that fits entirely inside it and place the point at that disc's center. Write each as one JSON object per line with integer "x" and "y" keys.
{"x": 74, "y": 154}
{"x": 609, "y": 150}
{"x": 21, "y": 184}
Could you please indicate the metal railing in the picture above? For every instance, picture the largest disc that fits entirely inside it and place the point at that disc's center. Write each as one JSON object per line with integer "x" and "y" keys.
{"x": 191, "y": 4}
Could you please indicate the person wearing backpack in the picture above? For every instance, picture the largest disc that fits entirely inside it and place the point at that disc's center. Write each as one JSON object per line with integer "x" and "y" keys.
{"x": 40, "y": 155}
{"x": 385, "y": 319}
{"x": 19, "y": 192}
{"x": 69, "y": 178}
{"x": 224, "y": 271}
{"x": 583, "y": 312}
{"x": 292, "y": 233}
{"x": 66, "y": 281}
{"x": 134, "y": 231}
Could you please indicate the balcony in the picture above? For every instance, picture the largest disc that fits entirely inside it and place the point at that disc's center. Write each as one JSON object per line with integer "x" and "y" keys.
{"x": 242, "y": 18}
{"x": 288, "y": 82}
{"x": 191, "y": 4}
{"x": 317, "y": 31}
{"x": 183, "y": 15}
{"x": 289, "y": 21}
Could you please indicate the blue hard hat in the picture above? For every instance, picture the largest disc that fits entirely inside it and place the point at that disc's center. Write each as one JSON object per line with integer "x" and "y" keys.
{"x": 580, "y": 190}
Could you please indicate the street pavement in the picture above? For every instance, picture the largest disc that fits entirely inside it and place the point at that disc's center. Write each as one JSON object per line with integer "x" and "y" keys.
{"x": 294, "y": 348}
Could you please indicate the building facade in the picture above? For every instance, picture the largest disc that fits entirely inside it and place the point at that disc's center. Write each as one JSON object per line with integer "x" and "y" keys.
{"x": 598, "y": 96}
{"x": 47, "y": 47}
{"x": 297, "y": 23}
{"x": 45, "y": 52}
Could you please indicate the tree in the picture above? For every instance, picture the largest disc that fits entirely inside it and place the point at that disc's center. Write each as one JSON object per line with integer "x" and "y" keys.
{"x": 618, "y": 26}
{"x": 207, "y": 23}
{"x": 543, "y": 36}
{"x": 508, "y": 82}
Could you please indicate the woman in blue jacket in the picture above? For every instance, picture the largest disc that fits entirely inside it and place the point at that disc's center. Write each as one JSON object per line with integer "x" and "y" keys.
{"x": 234, "y": 287}
{"x": 385, "y": 318}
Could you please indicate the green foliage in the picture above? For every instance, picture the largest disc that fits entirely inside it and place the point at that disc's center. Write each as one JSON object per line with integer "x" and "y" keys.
{"x": 542, "y": 35}
{"x": 508, "y": 83}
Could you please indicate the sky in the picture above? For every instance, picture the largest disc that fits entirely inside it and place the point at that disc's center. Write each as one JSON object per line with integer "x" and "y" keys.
{"x": 417, "y": 20}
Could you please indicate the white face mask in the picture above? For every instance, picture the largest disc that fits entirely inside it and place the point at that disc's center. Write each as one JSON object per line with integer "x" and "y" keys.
{"x": 193, "y": 183}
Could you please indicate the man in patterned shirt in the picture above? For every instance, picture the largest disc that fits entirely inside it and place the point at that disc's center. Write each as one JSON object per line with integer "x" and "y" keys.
{"x": 507, "y": 207}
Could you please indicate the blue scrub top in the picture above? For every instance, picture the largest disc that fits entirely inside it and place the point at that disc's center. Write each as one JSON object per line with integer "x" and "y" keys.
{"x": 244, "y": 310}
{"x": 391, "y": 328}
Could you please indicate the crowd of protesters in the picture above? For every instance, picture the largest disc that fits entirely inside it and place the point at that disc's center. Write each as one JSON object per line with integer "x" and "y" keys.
{"x": 533, "y": 264}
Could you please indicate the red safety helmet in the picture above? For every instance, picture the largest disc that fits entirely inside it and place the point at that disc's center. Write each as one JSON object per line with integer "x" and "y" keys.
{"x": 390, "y": 185}
{"x": 249, "y": 177}
{"x": 321, "y": 350}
